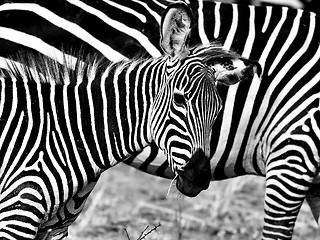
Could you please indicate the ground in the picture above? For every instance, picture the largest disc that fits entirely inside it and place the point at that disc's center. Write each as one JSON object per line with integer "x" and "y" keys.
{"x": 125, "y": 202}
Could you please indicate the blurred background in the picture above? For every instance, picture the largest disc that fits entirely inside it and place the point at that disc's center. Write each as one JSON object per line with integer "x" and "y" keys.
{"x": 128, "y": 200}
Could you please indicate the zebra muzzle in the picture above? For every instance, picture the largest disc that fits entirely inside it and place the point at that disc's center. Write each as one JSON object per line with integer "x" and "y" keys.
{"x": 195, "y": 176}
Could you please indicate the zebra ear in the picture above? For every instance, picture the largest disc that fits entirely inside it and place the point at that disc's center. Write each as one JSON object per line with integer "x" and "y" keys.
{"x": 175, "y": 28}
{"x": 229, "y": 71}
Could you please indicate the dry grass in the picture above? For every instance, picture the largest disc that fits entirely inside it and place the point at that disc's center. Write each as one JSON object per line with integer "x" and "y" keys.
{"x": 126, "y": 201}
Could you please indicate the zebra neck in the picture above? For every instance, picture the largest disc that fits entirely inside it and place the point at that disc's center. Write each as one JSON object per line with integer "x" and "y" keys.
{"x": 126, "y": 106}
{"x": 99, "y": 113}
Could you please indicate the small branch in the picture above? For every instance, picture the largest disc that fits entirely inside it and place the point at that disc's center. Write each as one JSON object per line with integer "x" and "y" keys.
{"x": 125, "y": 230}
{"x": 146, "y": 233}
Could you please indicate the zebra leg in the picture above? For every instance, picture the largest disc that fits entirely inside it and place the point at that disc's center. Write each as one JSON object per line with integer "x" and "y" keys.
{"x": 286, "y": 188}
{"x": 313, "y": 199}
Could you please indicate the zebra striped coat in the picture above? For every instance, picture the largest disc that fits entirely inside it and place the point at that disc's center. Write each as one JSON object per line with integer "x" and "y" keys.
{"x": 267, "y": 128}
{"x": 62, "y": 125}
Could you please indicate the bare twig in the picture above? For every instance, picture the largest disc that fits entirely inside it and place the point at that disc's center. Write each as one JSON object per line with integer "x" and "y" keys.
{"x": 125, "y": 230}
{"x": 146, "y": 233}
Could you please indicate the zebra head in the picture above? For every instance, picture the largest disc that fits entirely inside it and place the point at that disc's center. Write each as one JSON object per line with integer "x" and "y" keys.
{"x": 188, "y": 102}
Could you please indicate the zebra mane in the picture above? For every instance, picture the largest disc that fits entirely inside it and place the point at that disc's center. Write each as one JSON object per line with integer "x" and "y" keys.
{"x": 79, "y": 66}
{"x": 40, "y": 68}
{"x": 68, "y": 69}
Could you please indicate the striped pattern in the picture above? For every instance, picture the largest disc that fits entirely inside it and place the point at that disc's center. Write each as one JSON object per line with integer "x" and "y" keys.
{"x": 47, "y": 27}
{"x": 268, "y": 128}
{"x": 62, "y": 126}
{"x": 50, "y": 27}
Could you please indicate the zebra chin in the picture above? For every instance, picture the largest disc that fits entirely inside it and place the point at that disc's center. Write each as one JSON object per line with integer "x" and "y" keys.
{"x": 195, "y": 176}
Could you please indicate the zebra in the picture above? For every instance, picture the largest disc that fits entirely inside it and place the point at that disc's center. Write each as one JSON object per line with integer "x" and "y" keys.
{"x": 269, "y": 127}
{"x": 47, "y": 27}
{"x": 62, "y": 126}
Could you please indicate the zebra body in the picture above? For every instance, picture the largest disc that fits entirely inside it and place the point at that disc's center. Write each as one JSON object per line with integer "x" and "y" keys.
{"x": 269, "y": 127}
{"x": 62, "y": 125}
{"x": 47, "y": 27}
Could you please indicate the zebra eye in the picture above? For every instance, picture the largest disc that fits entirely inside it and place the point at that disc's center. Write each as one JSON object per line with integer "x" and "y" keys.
{"x": 179, "y": 98}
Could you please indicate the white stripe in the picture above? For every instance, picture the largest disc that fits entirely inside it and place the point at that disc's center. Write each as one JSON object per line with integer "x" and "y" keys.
{"x": 145, "y": 112}
{"x": 128, "y": 103}
{"x": 66, "y": 25}
{"x": 273, "y": 38}
{"x": 156, "y": 16}
{"x": 160, "y": 4}
{"x": 140, "y": 16}
{"x": 251, "y": 34}
{"x": 57, "y": 128}
{"x": 142, "y": 39}
{"x": 111, "y": 159}
{"x": 290, "y": 39}
{"x": 137, "y": 133}
{"x": 57, "y": 167}
{"x": 52, "y": 178}
{"x": 3, "y": 94}
{"x": 217, "y": 21}
{"x": 202, "y": 34}
{"x": 7, "y": 126}
{"x": 291, "y": 3}
{"x": 70, "y": 133}
{"x": 91, "y": 77}
{"x": 226, "y": 126}
{"x": 56, "y": 146}
{"x": 233, "y": 28}
{"x": 117, "y": 107}
{"x": 80, "y": 127}
{"x": 267, "y": 19}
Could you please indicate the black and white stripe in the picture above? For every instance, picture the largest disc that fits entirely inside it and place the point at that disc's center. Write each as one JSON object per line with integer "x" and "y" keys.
{"x": 48, "y": 27}
{"x": 267, "y": 128}
{"x": 104, "y": 26}
{"x": 63, "y": 124}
